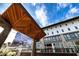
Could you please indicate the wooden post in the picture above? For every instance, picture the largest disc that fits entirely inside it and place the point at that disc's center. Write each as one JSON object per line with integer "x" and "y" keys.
{"x": 5, "y": 32}
{"x": 33, "y": 48}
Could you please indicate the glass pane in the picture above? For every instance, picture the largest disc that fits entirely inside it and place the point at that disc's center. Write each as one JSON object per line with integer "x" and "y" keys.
{"x": 72, "y": 36}
{"x": 76, "y": 35}
{"x": 68, "y": 36}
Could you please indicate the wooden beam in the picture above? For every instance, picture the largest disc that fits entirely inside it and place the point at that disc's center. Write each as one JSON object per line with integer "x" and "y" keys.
{"x": 22, "y": 21}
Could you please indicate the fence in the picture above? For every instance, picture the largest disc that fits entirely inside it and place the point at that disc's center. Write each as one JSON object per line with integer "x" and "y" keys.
{"x": 59, "y": 50}
{"x": 48, "y": 51}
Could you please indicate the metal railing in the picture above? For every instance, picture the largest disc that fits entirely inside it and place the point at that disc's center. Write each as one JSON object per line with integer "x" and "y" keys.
{"x": 49, "y": 50}
{"x": 58, "y": 50}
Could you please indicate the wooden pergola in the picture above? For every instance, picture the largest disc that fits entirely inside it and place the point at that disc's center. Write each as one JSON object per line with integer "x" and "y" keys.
{"x": 19, "y": 19}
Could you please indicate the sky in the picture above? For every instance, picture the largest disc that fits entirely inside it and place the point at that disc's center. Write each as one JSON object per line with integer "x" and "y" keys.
{"x": 48, "y": 13}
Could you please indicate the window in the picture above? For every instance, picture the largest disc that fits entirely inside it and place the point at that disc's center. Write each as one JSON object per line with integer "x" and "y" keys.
{"x": 72, "y": 35}
{"x": 57, "y": 31}
{"x": 60, "y": 26}
{"x": 54, "y": 44}
{"x": 66, "y": 24}
{"x": 55, "y": 26}
{"x": 76, "y": 27}
{"x": 62, "y": 30}
{"x": 76, "y": 35}
{"x": 48, "y": 39}
{"x": 69, "y": 29}
{"x": 47, "y": 28}
{"x": 52, "y": 32}
{"x": 67, "y": 37}
{"x": 58, "y": 37}
{"x": 47, "y": 33}
{"x": 53, "y": 38}
{"x": 45, "y": 39}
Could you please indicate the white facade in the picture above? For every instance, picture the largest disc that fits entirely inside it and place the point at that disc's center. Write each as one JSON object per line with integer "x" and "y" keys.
{"x": 59, "y": 29}
{"x": 70, "y": 24}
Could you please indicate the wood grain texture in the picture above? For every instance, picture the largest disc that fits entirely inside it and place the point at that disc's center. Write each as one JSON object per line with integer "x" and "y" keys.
{"x": 21, "y": 21}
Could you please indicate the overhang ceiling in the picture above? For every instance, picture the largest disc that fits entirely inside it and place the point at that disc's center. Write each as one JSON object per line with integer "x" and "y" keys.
{"x": 21, "y": 20}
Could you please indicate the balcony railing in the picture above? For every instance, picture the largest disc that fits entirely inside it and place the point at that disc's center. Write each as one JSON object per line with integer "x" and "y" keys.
{"x": 59, "y": 50}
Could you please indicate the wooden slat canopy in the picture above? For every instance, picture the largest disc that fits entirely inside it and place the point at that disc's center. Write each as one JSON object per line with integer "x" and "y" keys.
{"x": 21, "y": 21}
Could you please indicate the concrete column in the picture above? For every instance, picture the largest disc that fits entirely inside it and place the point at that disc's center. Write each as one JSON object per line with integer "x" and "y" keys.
{"x": 33, "y": 47}
{"x": 64, "y": 41}
{"x": 5, "y": 32}
{"x": 19, "y": 50}
{"x": 42, "y": 43}
{"x": 53, "y": 47}
{"x": 74, "y": 46}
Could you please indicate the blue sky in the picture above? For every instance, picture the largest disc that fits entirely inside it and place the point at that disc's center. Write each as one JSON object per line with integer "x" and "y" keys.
{"x": 48, "y": 13}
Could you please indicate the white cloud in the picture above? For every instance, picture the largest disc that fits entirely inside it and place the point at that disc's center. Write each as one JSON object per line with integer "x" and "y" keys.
{"x": 34, "y": 4}
{"x": 72, "y": 12}
{"x": 41, "y": 15}
{"x": 63, "y": 5}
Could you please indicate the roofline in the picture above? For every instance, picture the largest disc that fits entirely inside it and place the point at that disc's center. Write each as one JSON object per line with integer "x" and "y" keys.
{"x": 31, "y": 17}
{"x": 61, "y": 22}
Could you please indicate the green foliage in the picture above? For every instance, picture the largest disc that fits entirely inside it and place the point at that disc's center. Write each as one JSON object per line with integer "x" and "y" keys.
{"x": 7, "y": 52}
